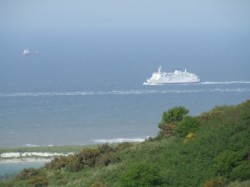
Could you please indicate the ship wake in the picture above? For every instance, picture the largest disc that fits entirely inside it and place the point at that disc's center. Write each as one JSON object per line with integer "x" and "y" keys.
{"x": 226, "y": 82}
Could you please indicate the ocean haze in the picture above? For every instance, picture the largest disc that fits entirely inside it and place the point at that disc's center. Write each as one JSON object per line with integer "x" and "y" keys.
{"x": 99, "y": 43}
{"x": 93, "y": 61}
{"x": 85, "y": 84}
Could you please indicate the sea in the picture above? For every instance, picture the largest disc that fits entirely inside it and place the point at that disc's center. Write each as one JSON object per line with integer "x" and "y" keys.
{"x": 83, "y": 89}
{"x": 109, "y": 116}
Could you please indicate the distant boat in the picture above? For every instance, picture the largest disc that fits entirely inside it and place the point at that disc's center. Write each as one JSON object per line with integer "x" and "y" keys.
{"x": 26, "y": 52}
{"x": 176, "y": 77}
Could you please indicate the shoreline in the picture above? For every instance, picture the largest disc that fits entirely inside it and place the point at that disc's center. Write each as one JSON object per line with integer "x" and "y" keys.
{"x": 24, "y": 160}
{"x": 48, "y": 153}
{"x": 27, "y": 157}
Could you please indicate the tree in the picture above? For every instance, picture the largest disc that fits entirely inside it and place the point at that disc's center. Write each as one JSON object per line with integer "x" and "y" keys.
{"x": 170, "y": 119}
{"x": 175, "y": 114}
{"x": 187, "y": 125}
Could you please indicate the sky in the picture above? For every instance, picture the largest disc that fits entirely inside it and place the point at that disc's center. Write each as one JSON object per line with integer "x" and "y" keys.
{"x": 65, "y": 15}
{"x": 78, "y": 39}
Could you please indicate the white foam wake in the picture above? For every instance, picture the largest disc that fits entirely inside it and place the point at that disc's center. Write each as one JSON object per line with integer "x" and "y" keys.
{"x": 119, "y": 140}
{"x": 227, "y": 82}
{"x": 128, "y": 92}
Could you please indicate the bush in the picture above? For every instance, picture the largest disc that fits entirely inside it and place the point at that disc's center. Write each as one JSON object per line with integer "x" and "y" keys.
{"x": 187, "y": 125}
{"x": 105, "y": 148}
{"x": 123, "y": 146}
{"x": 239, "y": 184}
{"x": 27, "y": 174}
{"x": 57, "y": 163}
{"x": 74, "y": 165}
{"x": 217, "y": 182}
{"x": 88, "y": 156}
{"x": 39, "y": 181}
{"x": 99, "y": 184}
{"x": 227, "y": 160}
{"x": 105, "y": 160}
{"x": 169, "y": 121}
{"x": 190, "y": 136}
{"x": 174, "y": 115}
{"x": 145, "y": 175}
{"x": 35, "y": 177}
{"x": 241, "y": 172}
{"x": 167, "y": 129}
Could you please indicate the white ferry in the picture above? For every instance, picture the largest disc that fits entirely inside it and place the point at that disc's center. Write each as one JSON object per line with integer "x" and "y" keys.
{"x": 176, "y": 77}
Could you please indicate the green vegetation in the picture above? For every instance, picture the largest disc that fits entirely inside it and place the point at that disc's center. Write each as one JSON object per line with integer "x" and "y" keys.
{"x": 209, "y": 150}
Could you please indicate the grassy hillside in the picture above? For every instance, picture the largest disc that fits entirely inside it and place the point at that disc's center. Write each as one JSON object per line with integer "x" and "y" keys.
{"x": 209, "y": 150}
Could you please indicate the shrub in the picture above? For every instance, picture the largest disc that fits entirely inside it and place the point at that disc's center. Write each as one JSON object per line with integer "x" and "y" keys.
{"x": 74, "y": 165}
{"x": 227, "y": 160}
{"x": 210, "y": 115}
{"x": 105, "y": 160}
{"x": 241, "y": 172}
{"x": 35, "y": 177}
{"x": 189, "y": 137}
{"x": 239, "y": 184}
{"x": 145, "y": 174}
{"x": 57, "y": 163}
{"x": 175, "y": 114}
{"x": 105, "y": 148}
{"x": 169, "y": 121}
{"x": 99, "y": 184}
{"x": 217, "y": 182}
{"x": 187, "y": 125}
{"x": 39, "y": 181}
{"x": 88, "y": 156}
{"x": 123, "y": 146}
{"x": 27, "y": 174}
{"x": 167, "y": 129}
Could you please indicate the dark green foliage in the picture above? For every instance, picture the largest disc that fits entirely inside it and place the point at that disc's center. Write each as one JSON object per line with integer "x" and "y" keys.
{"x": 241, "y": 172}
{"x": 88, "y": 156}
{"x": 174, "y": 115}
{"x": 217, "y": 182}
{"x": 57, "y": 163}
{"x": 99, "y": 184}
{"x": 74, "y": 164}
{"x": 27, "y": 173}
{"x": 143, "y": 174}
{"x": 170, "y": 120}
{"x": 123, "y": 146}
{"x": 34, "y": 177}
{"x": 105, "y": 160}
{"x": 167, "y": 129}
{"x": 227, "y": 160}
{"x": 38, "y": 181}
{"x": 105, "y": 148}
{"x": 187, "y": 125}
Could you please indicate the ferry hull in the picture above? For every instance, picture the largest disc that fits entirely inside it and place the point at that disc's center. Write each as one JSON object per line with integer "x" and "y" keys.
{"x": 170, "y": 82}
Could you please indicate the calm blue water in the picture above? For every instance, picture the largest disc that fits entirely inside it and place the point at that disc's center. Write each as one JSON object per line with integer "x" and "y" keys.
{"x": 87, "y": 88}
{"x": 85, "y": 117}
{"x": 14, "y": 167}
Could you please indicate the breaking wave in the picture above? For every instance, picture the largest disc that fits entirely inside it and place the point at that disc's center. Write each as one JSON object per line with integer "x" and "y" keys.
{"x": 129, "y": 92}
{"x": 119, "y": 140}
